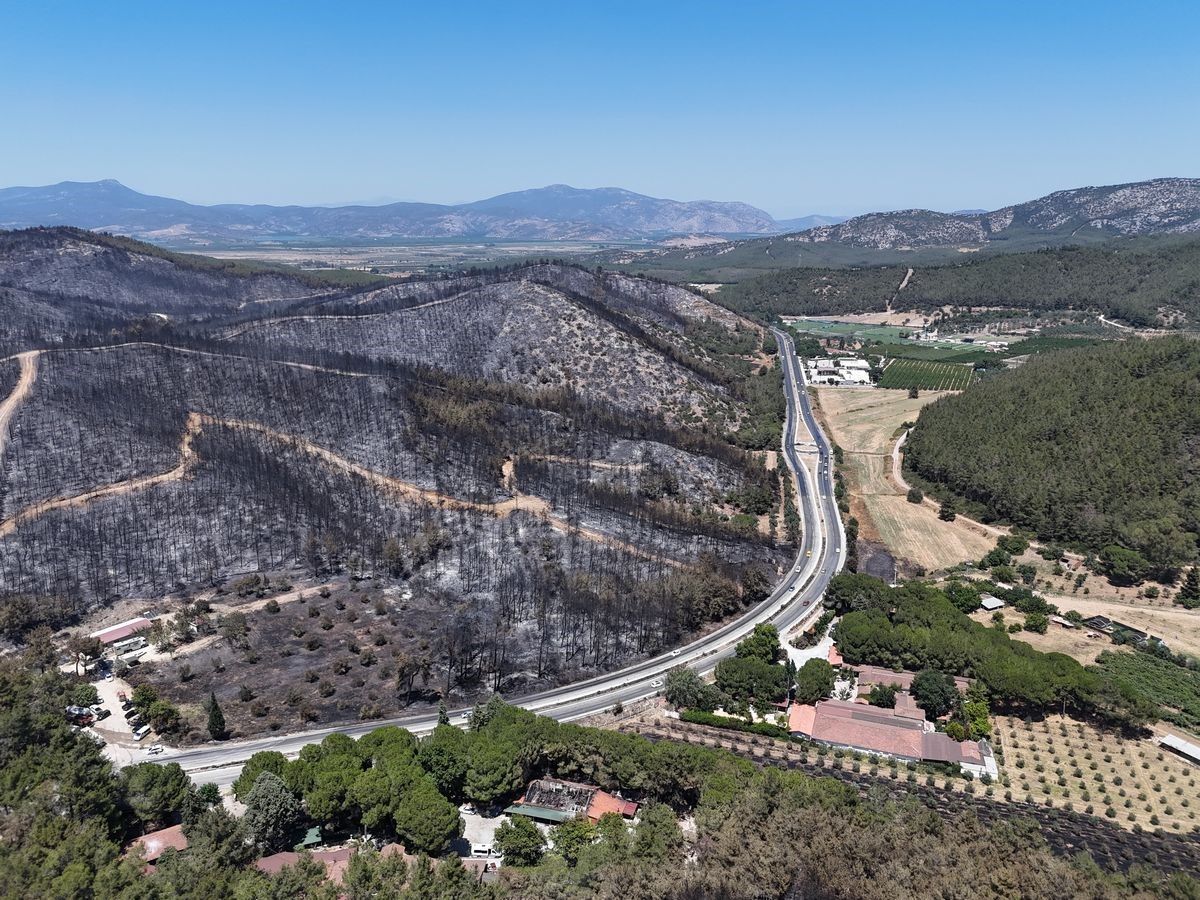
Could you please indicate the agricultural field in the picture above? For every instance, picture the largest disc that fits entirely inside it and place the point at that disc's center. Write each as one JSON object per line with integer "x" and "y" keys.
{"x": 1063, "y": 762}
{"x": 866, "y": 424}
{"x": 958, "y": 353}
{"x": 926, "y": 375}
{"x": 863, "y": 331}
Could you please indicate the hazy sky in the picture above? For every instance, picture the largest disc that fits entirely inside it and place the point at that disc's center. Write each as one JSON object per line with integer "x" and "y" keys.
{"x": 795, "y": 107}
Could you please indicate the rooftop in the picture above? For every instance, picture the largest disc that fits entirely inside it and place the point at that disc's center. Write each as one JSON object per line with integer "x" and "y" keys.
{"x": 156, "y": 843}
{"x": 869, "y": 675}
{"x": 555, "y": 800}
{"x": 1182, "y": 747}
{"x": 901, "y": 732}
{"x": 121, "y": 630}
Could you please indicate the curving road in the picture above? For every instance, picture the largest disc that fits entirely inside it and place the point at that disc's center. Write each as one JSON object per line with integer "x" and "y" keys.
{"x": 820, "y": 557}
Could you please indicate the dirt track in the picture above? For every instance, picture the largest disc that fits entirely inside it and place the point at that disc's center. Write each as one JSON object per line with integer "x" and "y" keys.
{"x": 196, "y": 422}
{"x": 29, "y": 370}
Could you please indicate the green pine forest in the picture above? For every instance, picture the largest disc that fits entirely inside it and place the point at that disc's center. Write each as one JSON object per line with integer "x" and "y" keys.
{"x": 1097, "y": 448}
{"x": 1132, "y": 280}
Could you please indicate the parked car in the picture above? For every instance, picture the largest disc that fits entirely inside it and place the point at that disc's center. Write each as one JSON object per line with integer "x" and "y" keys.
{"x": 101, "y": 713}
{"x": 154, "y": 749}
{"x": 108, "y": 676}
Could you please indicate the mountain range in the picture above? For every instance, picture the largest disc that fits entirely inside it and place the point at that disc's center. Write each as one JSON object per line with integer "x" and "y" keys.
{"x": 557, "y": 212}
{"x": 1160, "y": 206}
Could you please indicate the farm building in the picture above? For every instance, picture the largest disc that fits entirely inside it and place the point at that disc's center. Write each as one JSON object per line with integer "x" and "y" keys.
{"x": 124, "y": 636}
{"x": 839, "y": 371}
{"x": 872, "y": 675}
{"x": 1186, "y": 749}
{"x": 901, "y": 733}
{"x": 990, "y": 602}
{"x": 552, "y": 800}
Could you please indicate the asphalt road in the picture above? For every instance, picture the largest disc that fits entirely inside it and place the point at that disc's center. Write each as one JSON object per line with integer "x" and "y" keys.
{"x": 820, "y": 557}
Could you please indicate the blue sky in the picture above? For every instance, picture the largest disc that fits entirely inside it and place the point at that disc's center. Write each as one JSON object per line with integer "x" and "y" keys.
{"x": 795, "y": 107}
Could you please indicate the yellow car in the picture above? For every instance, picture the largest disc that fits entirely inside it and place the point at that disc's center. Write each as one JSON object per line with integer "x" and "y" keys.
{"x": 808, "y": 553}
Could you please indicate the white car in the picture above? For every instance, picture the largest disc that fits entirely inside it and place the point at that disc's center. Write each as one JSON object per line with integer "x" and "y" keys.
{"x": 676, "y": 652}
{"x": 656, "y": 683}
{"x": 108, "y": 676}
{"x": 154, "y": 749}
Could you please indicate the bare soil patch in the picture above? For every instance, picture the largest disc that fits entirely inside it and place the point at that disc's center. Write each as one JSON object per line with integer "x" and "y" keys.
{"x": 865, "y": 424}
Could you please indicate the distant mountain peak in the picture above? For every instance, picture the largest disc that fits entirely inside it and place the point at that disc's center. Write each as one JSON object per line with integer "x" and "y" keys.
{"x": 1158, "y": 206}
{"x": 554, "y": 212}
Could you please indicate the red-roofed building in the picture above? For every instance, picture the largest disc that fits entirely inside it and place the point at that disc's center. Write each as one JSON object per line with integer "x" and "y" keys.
{"x": 334, "y": 861}
{"x": 901, "y": 733}
{"x": 801, "y": 718}
{"x": 555, "y": 800}
{"x": 125, "y": 635}
{"x": 604, "y": 803}
{"x": 156, "y": 843}
{"x": 872, "y": 675}
{"x": 835, "y": 658}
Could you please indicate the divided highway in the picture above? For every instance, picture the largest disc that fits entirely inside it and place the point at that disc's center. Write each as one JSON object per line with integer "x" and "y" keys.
{"x": 820, "y": 557}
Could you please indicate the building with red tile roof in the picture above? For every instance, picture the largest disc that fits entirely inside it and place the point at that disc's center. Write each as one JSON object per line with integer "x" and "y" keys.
{"x": 872, "y": 675}
{"x": 156, "y": 843}
{"x": 336, "y": 861}
{"x": 901, "y": 733}
{"x": 556, "y": 800}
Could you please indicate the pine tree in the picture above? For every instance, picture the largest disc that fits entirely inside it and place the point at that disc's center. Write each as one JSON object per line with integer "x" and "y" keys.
{"x": 216, "y": 718}
{"x": 1189, "y": 594}
{"x": 443, "y": 714}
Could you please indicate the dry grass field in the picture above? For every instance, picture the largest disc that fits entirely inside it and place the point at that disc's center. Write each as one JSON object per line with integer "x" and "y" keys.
{"x": 1062, "y": 761}
{"x": 865, "y": 424}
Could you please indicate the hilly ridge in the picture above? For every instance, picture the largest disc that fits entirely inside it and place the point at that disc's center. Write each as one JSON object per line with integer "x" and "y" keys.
{"x": 556, "y": 212}
{"x": 1080, "y": 216}
{"x": 552, "y": 466}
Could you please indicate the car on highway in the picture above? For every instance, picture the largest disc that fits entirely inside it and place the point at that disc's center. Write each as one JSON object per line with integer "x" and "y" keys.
{"x": 798, "y": 568}
{"x": 676, "y": 652}
{"x": 807, "y": 553}
{"x": 656, "y": 683}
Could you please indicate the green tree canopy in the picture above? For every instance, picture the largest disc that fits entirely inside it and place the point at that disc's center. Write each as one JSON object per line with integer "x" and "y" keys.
{"x": 273, "y": 814}
{"x": 934, "y": 692}
{"x": 263, "y": 761}
{"x": 814, "y": 681}
{"x": 519, "y": 839}
{"x": 426, "y": 822}
{"x": 763, "y": 644}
